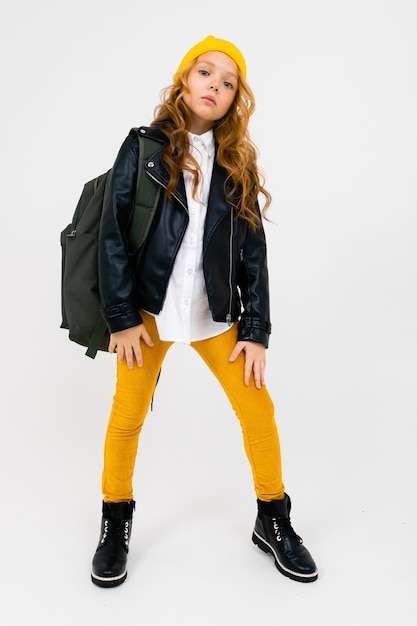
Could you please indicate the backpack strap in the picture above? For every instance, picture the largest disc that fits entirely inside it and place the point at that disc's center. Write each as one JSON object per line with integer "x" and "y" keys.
{"x": 147, "y": 195}
{"x": 96, "y": 338}
{"x": 146, "y": 203}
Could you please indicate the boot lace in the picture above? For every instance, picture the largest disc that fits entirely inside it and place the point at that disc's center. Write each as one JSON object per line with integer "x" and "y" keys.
{"x": 282, "y": 528}
{"x": 120, "y": 529}
{"x": 105, "y": 531}
{"x": 126, "y": 533}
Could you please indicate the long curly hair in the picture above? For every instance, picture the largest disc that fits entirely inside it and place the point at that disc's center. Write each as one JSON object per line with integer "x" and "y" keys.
{"x": 236, "y": 153}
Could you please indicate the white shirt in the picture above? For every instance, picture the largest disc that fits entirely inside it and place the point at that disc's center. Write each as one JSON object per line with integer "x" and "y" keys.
{"x": 186, "y": 316}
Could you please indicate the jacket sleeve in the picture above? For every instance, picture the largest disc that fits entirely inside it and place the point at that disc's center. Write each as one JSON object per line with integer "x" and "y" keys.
{"x": 116, "y": 282}
{"x": 254, "y": 324}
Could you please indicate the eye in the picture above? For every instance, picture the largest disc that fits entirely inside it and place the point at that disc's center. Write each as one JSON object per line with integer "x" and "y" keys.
{"x": 203, "y": 72}
{"x": 228, "y": 85}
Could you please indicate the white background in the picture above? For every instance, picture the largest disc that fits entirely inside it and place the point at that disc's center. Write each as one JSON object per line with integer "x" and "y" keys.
{"x": 336, "y": 125}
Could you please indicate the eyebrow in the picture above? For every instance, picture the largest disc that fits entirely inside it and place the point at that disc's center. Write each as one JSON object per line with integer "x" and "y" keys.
{"x": 227, "y": 73}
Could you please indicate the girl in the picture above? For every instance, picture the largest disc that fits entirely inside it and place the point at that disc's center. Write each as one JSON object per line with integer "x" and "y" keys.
{"x": 200, "y": 278}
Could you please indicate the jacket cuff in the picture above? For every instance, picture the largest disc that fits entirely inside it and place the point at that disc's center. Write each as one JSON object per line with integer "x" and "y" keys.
{"x": 121, "y": 316}
{"x": 254, "y": 330}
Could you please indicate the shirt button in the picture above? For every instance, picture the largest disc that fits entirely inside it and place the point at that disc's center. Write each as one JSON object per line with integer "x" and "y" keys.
{"x": 189, "y": 271}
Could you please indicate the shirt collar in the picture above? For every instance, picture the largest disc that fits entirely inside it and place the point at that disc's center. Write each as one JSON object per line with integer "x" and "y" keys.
{"x": 206, "y": 140}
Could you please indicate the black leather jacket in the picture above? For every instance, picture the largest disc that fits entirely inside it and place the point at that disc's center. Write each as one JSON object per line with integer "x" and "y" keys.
{"x": 234, "y": 255}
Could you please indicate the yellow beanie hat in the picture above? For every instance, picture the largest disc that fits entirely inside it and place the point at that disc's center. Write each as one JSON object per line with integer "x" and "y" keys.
{"x": 211, "y": 44}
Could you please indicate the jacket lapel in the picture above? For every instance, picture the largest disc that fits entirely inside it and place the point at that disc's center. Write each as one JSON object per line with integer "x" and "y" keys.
{"x": 217, "y": 208}
{"x": 159, "y": 173}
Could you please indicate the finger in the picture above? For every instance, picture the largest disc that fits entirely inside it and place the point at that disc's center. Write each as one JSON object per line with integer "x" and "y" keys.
{"x": 120, "y": 353}
{"x": 147, "y": 338}
{"x": 247, "y": 372}
{"x": 129, "y": 357}
{"x": 235, "y": 353}
{"x": 138, "y": 355}
{"x": 257, "y": 376}
{"x": 263, "y": 374}
{"x": 261, "y": 370}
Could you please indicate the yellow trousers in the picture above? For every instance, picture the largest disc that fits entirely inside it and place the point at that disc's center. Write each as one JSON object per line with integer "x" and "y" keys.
{"x": 134, "y": 390}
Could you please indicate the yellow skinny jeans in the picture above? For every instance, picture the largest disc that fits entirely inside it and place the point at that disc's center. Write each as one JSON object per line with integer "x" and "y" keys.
{"x": 133, "y": 395}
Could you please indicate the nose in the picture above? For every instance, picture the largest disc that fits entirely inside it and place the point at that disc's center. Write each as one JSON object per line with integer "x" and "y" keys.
{"x": 214, "y": 87}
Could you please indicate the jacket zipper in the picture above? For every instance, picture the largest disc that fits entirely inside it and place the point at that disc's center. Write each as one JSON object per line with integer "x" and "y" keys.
{"x": 161, "y": 184}
{"x": 229, "y": 315}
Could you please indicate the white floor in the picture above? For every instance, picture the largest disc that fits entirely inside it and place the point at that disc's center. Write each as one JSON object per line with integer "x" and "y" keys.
{"x": 192, "y": 560}
{"x": 336, "y": 127}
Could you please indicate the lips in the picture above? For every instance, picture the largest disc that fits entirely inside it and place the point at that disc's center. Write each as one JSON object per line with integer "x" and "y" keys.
{"x": 208, "y": 99}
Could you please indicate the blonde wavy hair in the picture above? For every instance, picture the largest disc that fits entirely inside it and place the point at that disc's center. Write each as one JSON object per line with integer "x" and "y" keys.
{"x": 236, "y": 153}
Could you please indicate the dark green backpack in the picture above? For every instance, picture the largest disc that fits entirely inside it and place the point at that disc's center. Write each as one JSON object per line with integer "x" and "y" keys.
{"x": 80, "y": 299}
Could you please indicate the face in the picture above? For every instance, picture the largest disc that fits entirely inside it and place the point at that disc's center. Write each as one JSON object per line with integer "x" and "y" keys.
{"x": 212, "y": 87}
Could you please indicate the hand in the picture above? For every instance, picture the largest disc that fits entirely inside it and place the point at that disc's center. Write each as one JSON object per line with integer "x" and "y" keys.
{"x": 255, "y": 361}
{"x": 127, "y": 343}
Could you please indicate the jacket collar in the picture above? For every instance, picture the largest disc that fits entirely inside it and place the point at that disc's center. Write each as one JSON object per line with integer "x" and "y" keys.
{"x": 216, "y": 208}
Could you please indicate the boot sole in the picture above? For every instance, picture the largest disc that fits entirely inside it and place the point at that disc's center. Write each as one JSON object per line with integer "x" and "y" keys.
{"x": 102, "y": 581}
{"x": 268, "y": 549}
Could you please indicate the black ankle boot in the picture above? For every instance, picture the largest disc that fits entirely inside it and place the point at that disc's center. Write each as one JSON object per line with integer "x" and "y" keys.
{"x": 110, "y": 559}
{"x": 274, "y": 534}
